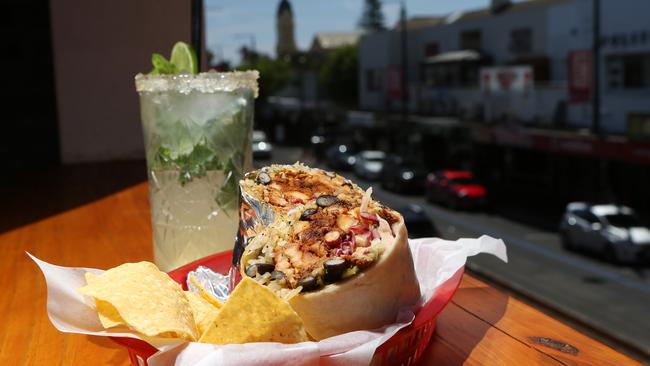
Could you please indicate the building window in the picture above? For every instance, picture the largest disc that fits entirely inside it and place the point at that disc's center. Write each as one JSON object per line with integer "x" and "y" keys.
{"x": 373, "y": 80}
{"x": 631, "y": 71}
{"x": 431, "y": 49}
{"x": 521, "y": 40}
{"x": 470, "y": 40}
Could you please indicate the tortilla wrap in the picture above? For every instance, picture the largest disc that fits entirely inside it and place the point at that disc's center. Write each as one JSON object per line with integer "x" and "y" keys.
{"x": 368, "y": 300}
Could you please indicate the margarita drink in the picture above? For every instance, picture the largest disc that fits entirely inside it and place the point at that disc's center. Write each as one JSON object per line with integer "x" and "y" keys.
{"x": 197, "y": 131}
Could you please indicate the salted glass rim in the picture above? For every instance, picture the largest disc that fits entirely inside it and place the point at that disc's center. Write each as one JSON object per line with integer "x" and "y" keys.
{"x": 204, "y": 82}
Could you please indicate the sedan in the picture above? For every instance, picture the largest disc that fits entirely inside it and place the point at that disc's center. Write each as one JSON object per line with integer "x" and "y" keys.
{"x": 341, "y": 157}
{"x": 369, "y": 164}
{"x": 456, "y": 188}
{"x": 262, "y": 148}
{"x": 612, "y": 231}
{"x": 418, "y": 224}
{"x": 402, "y": 175}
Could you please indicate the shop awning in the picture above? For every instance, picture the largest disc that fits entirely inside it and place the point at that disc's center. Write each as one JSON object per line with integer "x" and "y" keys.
{"x": 454, "y": 56}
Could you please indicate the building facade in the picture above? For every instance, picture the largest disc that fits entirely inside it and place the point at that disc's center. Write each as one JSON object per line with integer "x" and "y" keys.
{"x": 551, "y": 37}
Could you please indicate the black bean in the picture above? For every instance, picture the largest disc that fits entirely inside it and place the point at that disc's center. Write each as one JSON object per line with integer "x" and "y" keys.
{"x": 309, "y": 283}
{"x": 263, "y": 178}
{"x": 263, "y": 268}
{"x": 326, "y": 200}
{"x": 334, "y": 268}
{"x": 260, "y": 268}
{"x": 277, "y": 275}
{"x": 307, "y": 213}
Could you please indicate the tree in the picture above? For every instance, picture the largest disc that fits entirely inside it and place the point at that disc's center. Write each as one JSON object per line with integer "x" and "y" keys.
{"x": 339, "y": 75}
{"x": 274, "y": 75}
{"x": 372, "y": 18}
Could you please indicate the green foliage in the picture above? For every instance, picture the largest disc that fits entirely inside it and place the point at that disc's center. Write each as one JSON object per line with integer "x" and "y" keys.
{"x": 192, "y": 165}
{"x": 339, "y": 75}
{"x": 274, "y": 75}
{"x": 372, "y": 18}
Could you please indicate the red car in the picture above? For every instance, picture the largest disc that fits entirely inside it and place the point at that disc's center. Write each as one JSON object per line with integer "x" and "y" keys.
{"x": 456, "y": 188}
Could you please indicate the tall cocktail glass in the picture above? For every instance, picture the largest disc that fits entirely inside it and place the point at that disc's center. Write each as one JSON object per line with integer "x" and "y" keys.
{"x": 197, "y": 134}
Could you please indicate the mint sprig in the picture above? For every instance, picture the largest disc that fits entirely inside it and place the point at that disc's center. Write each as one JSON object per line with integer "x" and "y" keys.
{"x": 161, "y": 66}
{"x": 196, "y": 164}
{"x": 190, "y": 166}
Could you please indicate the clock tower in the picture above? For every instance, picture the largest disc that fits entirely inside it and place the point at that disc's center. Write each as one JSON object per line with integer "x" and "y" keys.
{"x": 286, "y": 45}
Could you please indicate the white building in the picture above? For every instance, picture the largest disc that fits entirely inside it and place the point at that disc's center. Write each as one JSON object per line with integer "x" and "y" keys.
{"x": 546, "y": 35}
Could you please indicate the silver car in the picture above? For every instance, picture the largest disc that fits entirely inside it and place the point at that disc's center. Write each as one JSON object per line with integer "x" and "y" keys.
{"x": 611, "y": 230}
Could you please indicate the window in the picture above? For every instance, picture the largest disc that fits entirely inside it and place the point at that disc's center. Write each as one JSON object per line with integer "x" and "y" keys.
{"x": 587, "y": 216}
{"x": 470, "y": 40}
{"x": 431, "y": 49}
{"x": 521, "y": 40}
{"x": 630, "y": 71}
{"x": 373, "y": 80}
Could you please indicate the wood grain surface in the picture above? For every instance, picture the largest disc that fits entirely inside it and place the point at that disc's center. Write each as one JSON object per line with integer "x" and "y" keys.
{"x": 482, "y": 326}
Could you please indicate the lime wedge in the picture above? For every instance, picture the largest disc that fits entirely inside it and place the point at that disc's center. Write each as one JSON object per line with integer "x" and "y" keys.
{"x": 184, "y": 58}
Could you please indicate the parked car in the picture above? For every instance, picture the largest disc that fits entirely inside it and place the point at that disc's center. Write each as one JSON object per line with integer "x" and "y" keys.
{"x": 318, "y": 142}
{"x": 419, "y": 225}
{"x": 262, "y": 148}
{"x": 612, "y": 231}
{"x": 455, "y": 188}
{"x": 403, "y": 175}
{"x": 369, "y": 164}
{"x": 341, "y": 157}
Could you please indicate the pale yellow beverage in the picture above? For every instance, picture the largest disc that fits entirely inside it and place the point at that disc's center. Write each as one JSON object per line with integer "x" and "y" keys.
{"x": 197, "y": 131}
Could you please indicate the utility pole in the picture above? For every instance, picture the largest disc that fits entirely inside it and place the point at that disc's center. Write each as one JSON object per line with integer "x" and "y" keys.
{"x": 197, "y": 28}
{"x": 404, "y": 51}
{"x": 596, "y": 69}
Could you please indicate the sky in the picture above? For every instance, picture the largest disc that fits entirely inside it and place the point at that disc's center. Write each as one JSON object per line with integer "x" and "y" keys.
{"x": 230, "y": 24}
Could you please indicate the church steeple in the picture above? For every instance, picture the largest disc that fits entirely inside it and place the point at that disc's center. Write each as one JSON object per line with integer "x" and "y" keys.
{"x": 286, "y": 45}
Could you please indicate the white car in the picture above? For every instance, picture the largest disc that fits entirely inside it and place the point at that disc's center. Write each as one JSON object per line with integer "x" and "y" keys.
{"x": 369, "y": 164}
{"x": 612, "y": 230}
{"x": 262, "y": 148}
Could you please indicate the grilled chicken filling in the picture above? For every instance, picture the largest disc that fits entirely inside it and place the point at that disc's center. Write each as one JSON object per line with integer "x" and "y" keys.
{"x": 323, "y": 241}
{"x": 287, "y": 186}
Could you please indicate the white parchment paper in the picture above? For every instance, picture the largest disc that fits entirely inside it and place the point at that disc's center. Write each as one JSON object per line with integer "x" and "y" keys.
{"x": 436, "y": 260}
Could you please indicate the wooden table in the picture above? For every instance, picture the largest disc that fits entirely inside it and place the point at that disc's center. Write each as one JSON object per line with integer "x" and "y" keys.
{"x": 482, "y": 326}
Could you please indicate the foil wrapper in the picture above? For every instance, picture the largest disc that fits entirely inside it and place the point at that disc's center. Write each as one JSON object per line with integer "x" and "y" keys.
{"x": 215, "y": 283}
{"x": 254, "y": 215}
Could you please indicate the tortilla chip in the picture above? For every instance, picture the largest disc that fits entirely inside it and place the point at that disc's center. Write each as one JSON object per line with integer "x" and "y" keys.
{"x": 143, "y": 298}
{"x": 203, "y": 311}
{"x": 253, "y": 313}
{"x": 108, "y": 315}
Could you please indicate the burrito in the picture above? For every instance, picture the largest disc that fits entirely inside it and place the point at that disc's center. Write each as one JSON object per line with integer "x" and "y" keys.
{"x": 272, "y": 191}
{"x": 342, "y": 261}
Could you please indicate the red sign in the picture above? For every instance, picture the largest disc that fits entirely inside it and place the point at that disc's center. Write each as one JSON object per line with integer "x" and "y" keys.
{"x": 580, "y": 74}
{"x": 394, "y": 82}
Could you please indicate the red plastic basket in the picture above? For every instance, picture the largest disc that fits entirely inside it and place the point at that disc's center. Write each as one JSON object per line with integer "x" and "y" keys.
{"x": 404, "y": 348}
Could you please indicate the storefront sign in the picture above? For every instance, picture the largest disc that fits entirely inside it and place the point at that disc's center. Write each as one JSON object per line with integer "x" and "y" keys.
{"x": 626, "y": 39}
{"x": 507, "y": 78}
{"x": 394, "y": 82}
{"x": 580, "y": 74}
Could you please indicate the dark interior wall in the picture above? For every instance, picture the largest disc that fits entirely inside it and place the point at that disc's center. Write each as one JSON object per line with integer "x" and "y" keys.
{"x": 29, "y": 118}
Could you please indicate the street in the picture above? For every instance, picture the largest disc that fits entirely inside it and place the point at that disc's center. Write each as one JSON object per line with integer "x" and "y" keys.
{"x": 609, "y": 300}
